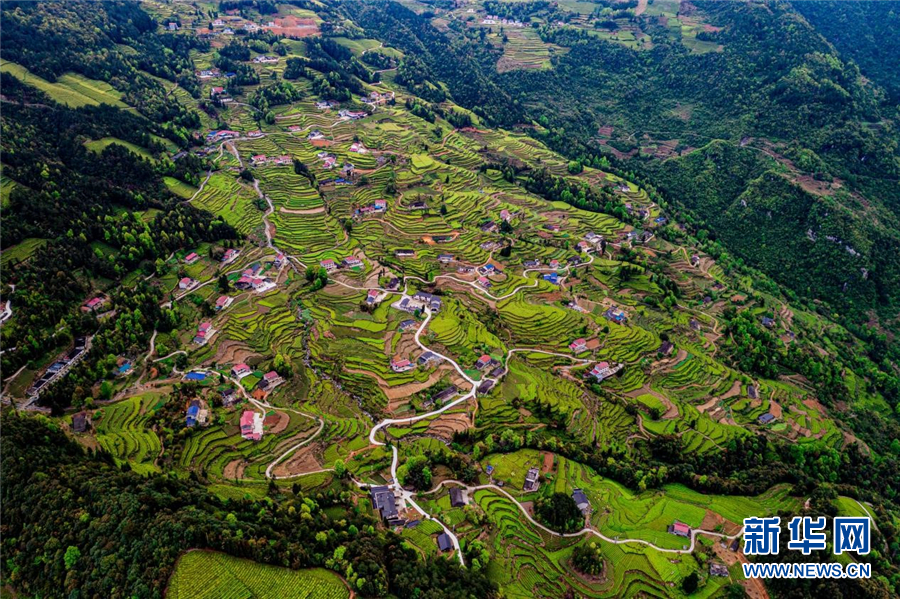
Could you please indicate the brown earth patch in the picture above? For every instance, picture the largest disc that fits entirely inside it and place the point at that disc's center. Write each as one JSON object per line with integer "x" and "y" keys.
{"x": 234, "y": 469}
{"x": 231, "y": 352}
{"x": 277, "y": 422}
{"x": 301, "y": 461}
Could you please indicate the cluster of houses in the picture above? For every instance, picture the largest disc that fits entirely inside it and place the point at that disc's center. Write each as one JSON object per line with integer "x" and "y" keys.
{"x": 326, "y": 105}
{"x": 419, "y": 301}
{"x": 269, "y": 380}
{"x": 328, "y": 160}
{"x": 375, "y": 98}
{"x": 264, "y": 59}
{"x": 261, "y": 159}
{"x": 639, "y": 236}
{"x": 495, "y": 20}
{"x": 350, "y": 115}
{"x": 60, "y": 366}
{"x": 376, "y": 207}
{"x": 615, "y": 314}
{"x": 385, "y": 503}
{"x": 204, "y": 333}
{"x": 358, "y": 148}
{"x": 216, "y": 136}
{"x": 349, "y": 262}
{"x": 583, "y": 345}
{"x": 250, "y": 279}
{"x": 402, "y": 364}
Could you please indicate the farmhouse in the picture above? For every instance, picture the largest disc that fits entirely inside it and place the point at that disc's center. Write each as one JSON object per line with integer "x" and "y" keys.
{"x": 328, "y": 264}
{"x": 695, "y": 260}
{"x": 616, "y": 315}
{"x": 752, "y": 392}
{"x": 718, "y": 569}
{"x": 581, "y": 501}
{"x": 531, "y": 263}
{"x": 314, "y": 135}
{"x": 258, "y": 159}
{"x": 444, "y": 543}
{"x": 483, "y": 362}
{"x": 574, "y": 260}
{"x": 401, "y": 365}
{"x": 407, "y": 324}
{"x": 457, "y": 497}
{"x": 442, "y": 396}
{"x": 552, "y": 278}
{"x": 404, "y": 253}
{"x": 551, "y": 227}
{"x": 427, "y": 357}
{"x": 666, "y": 348}
{"x": 445, "y": 258}
{"x": 216, "y": 91}
{"x": 190, "y": 419}
{"x": 554, "y": 264}
{"x": 229, "y": 255}
{"x": 379, "y": 205}
{"x": 383, "y": 500}
{"x": 766, "y": 418}
{"x": 240, "y": 370}
{"x": 680, "y": 528}
{"x": 578, "y": 346}
{"x": 484, "y": 282}
{"x": 485, "y": 387}
{"x": 81, "y": 422}
{"x": 265, "y": 59}
{"x": 505, "y": 215}
{"x": 358, "y": 148}
{"x": 602, "y": 370}
{"x": 349, "y": 114}
{"x": 255, "y": 134}
{"x": 251, "y": 425}
{"x": 372, "y": 297}
{"x": 93, "y": 304}
{"x": 272, "y": 379}
{"x": 186, "y": 283}
{"x": 351, "y": 262}
{"x": 768, "y": 322}
{"x": 531, "y": 481}
{"x": 191, "y": 258}
{"x": 229, "y": 397}
{"x": 488, "y": 227}
{"x": 423, "y": 299}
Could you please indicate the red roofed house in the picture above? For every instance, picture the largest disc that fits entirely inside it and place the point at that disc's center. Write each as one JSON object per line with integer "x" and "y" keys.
{"x": 328, "y": 264}
{"x": 283, "y": 160}
{"x": 401, "y": 365}
{"x": 352, "y": 262}
{"x": 93, "y": 304}
{"x": 272, "y": 379}
{"x": 483, "y": 361}
{"x": 240, "y": 370}
{"x": 484, "y": 282}
{"x": 229, "y": 255}
{"x": 223, "y": 302}
{"x": 601, "y": 371}
{"x": 259, "y": 159}
{"x": 680, "y": 528}
{"x": 186, "y": 283}
{"x": 191, "y": 258}
{"x": 256, "y": 133}
{"x": 578, "y": 346}
{"x": 216, "y": 91}
{"x": 554, "y": 264}
{"x": 251, "y": 425}
{"x": 505, "y": 215}
{"x": 380, "y": 205}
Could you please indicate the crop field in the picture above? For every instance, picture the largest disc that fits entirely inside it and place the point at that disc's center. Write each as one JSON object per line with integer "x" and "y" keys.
{"x": 71, "y": 89}
{"x": 22, "y": 251}
{"x": 224, "y": 196}
{"x": 211, "y": 575}
{"x": 122, "y": 431}
{"x": 98, "y": 145}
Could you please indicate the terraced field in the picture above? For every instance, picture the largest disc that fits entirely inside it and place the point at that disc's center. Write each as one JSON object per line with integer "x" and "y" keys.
{"x": 123, "y": 431}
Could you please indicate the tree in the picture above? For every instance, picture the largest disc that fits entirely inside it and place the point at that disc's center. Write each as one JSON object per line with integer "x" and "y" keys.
{"x": 340, "y": 470}
{"x": 588, "y": 559}
{"x": 416, "y": 473}
{"x": 73, "y": 554}
{"x": 223, "y": 284}
{"x": 559, "y": 512}
{"x": 690, "y": 583}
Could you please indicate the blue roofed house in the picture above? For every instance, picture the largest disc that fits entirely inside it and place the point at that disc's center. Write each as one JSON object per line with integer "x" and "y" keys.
{"x": 766, "y": 418}
{"x": 192, "y": 413}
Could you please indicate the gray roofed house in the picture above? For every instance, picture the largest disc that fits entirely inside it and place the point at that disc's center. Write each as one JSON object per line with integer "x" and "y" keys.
{"x": 581, "y": 501}
{"x": 383, "y": 500}
{"x": 486, "y": 386}
{"x": 81, "y": 422}
{"x": 444, "y": 543}
{"x": 718, "y": 569}
{"x": 457, "y": 497}
{"x": 766, "y": 418}
{"x": 531, "y": 480}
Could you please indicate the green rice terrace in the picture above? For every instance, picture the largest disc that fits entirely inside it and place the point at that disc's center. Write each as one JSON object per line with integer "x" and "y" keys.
{"x": 412, "y": 300}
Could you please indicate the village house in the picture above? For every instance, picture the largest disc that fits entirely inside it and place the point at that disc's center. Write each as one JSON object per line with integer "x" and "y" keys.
{"x": 216, "y": 91}
{"x": 573, "y": 260}
{"x": 552, "y": 278}
{"x": 766, "y": 418}
{"x": 81, "y": 422}
{"x": 251, "y": 425}
{"x": 484, "y": 282}
{"x": 484, "y": 361}
{"x": 465, "y": 269}
{"x": 93, "y": 304}
{"x": 265, "y": 59}
{"x": 351, "y": 115}
{"x": 718, "y": 569}
{"x": 665, "y": 349}
{"x": 554, "y": 264}
{"x": 445, "y": 258}
{"x": 385, "y": 503}
{"x": 531, "y": 263}
{"x": 427, "y": 357}
{"x": 505, "y": 215}
{"x": 581, "y": 501}
{"x": 203, "y": 332}
{"x": 372, "y": 296}
{"x": 208, "y": 74}
{"x": 191, "y": 258}
{"x": 272, "y": 379}
{"x": 186, "y": 283}
{"x": 258, "y": 159}
{"x": 427, "y": 299}
{"x": 323, "y": 105}
{"x": 393, "y": 284}
{"x": 255, "y": 134}
{"x": 190, "y": 418}
{"x": 616, "y": 315}
{"x": 229, "y": 255}
{"x": 229, "y": 397}
{"x": 578, "y": 346}
{"x": 457, "y": 497}
{"x": 418, "y": 205}
{"x": 223, "y": 302}
{"x": 404, "y": 253}
{"x": 551, "y": 227}
{"x": 407, "y": 325}
{"x": 240, "y": 370}
{"x": 752, "y": 392}
{"x": 695, "y": 260}
{"x": 680, "y": 528}
{"x": 379, "y": 205}
{"x": 444, "y": 542}
{"x": 488, "y": 227}
{"x": 401, "y": 365}
{"x": 768, "y": 322}
{"x": 531, "y": 481}
{"x": 351, "y": 262}
{"x": 485, "y": 387}
{"x": 602, "y": 370}
{"x": 173, "y": 26}
{"x": 328, "y": 264}
{"x": 358, "y": 148}
{"x": 442, "y": 396}
{"x": 284, "y": 160}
